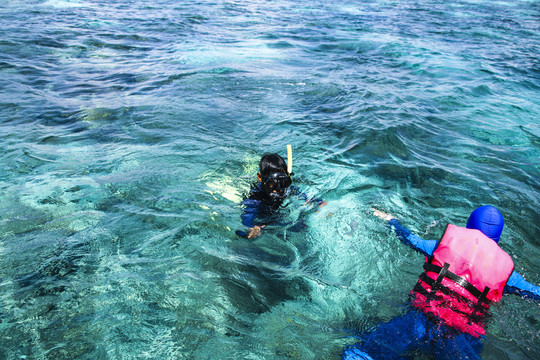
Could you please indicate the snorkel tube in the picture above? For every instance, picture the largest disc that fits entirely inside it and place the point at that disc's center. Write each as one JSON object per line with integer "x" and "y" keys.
{"x": 289, "y": 159}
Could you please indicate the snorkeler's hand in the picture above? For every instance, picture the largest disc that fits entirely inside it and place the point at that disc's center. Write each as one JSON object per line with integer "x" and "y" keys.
{"x": 321, "y": 205}
{"x": 255, "y": 231}
{"x": 382, "y": 215}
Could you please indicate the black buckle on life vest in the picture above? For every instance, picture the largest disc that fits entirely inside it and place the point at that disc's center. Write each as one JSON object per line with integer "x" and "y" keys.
{"x": 442, "y": 274}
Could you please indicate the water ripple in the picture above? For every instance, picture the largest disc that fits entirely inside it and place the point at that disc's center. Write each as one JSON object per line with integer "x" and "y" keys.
{"x": 130, "y": 131}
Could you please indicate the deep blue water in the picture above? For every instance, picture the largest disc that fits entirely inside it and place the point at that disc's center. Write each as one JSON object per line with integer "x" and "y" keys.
{"x": 130, "y": 130}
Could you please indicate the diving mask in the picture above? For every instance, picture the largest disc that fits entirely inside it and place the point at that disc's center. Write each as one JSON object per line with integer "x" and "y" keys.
{"x": 276, "y": 184}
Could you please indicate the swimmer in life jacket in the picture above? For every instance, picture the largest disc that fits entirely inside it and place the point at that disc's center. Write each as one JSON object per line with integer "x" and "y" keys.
{"x": 463, "y": 274}
{"x": 267, "y": 195}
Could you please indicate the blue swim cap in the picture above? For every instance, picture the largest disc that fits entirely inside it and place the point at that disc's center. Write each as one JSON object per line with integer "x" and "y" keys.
{"x": 488, "y": 220}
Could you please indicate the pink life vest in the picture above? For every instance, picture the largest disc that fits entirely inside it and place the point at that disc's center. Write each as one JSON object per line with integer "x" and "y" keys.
{"x": 468, "y": 270}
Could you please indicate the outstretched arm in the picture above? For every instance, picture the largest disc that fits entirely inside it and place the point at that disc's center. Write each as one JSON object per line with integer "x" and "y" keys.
{"x": 518, "y": 285}
{"x": 425, "y": 247}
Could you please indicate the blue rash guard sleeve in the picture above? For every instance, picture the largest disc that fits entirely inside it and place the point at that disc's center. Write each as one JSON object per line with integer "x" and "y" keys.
{"x": 249, "y": 214}
{"x": 251, "y": 209}
{"x": 518, "y": 285}
{"x": 425, "y": 247}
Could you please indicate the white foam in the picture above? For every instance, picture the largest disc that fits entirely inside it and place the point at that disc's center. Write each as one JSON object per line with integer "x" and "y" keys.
{"x": 65, "y": 3}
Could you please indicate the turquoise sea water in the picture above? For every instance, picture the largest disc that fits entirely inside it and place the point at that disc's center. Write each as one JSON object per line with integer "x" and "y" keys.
{"x": 130, "y": 130}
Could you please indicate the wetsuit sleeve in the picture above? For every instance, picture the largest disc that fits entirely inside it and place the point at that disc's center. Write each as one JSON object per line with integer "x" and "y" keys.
{"x": 425, "y": 247}
{"x": 251, "y": 209}
{"x": 518, "y": 285}
{"x": 250, "y": 212}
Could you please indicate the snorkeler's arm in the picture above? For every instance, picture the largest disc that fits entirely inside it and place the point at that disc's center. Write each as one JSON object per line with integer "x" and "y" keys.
{"x": 518, "y": 285}
{"x": 294, "y": 191}
{"x": 249, "y": 214}
{"x": 425, "y": 247}
{"x": 251, "y": 210}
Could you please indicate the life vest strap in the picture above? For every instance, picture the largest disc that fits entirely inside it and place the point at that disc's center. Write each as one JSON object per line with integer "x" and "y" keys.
{"x": 444, "y": 272}
{"x": 479, "y": 312}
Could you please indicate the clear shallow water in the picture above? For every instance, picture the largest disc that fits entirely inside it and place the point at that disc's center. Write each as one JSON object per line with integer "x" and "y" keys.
{"x": 131, "y": 130}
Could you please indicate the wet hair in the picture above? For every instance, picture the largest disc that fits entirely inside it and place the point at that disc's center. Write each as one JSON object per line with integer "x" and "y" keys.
{"x": 488, "y": 220}
{"x": 272, "y": 163}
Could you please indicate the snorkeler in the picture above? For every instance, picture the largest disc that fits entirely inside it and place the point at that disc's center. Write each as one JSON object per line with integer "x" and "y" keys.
{"x": 268, "y": 193}
{"x": 464, "y": 273}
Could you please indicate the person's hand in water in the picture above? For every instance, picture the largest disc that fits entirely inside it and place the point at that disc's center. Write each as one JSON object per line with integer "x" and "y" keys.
{"x": 382, "y": 215}
{"x": 255, "y": 231}
{"x": 321, "y": 205}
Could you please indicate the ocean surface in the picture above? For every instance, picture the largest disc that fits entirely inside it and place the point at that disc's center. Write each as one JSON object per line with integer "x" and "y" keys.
{"x": 132, "y": 129}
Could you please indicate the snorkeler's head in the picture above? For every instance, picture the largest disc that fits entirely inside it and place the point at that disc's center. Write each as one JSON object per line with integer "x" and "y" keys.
{"x": 272, "y": 163}
{"x": 273, "y": 176}
{"x": 488, "y": 220}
